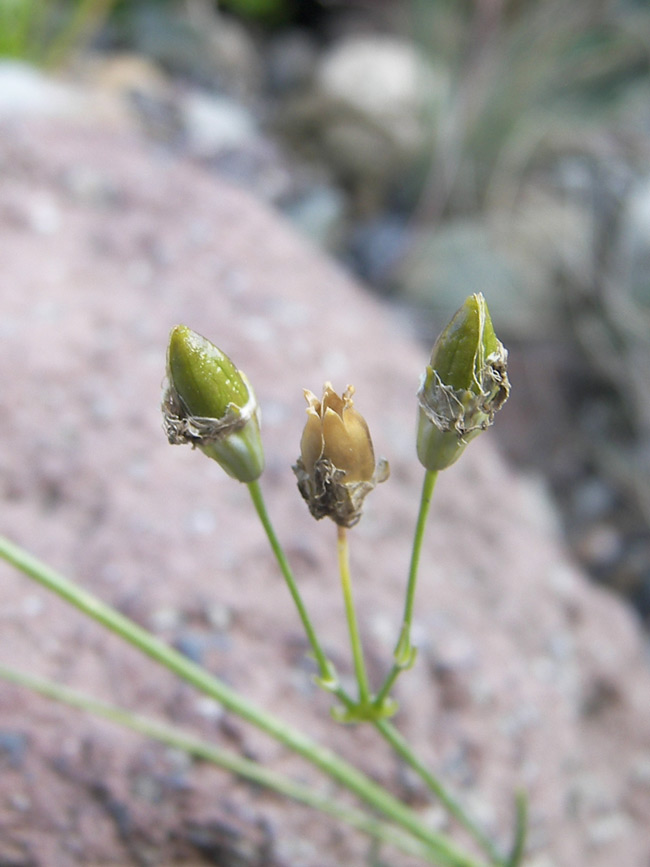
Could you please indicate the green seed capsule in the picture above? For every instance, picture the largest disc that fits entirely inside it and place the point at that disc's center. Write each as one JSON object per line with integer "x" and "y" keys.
{"x": 210, "y": 404}
{"x": 463, "y": 386}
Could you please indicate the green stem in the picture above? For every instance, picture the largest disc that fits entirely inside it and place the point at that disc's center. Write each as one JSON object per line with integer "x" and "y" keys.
{"x": 328, "y": 678}
{"x": 225, "y": 759}
{"x": 350, "y": 613}
{"x": 384, "y": 692}
{"x": 386, "y": 729}
{"x": 428, "y": 484}
{"x": 403, "y": 749}
{"x": 331, "y": 764}
{"x": 521, "y": 825}
{"x": 327, "y": 674}
{"x": 404, "y": 653}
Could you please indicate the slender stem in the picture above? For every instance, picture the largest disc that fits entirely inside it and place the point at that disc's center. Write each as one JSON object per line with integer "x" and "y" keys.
{"x": 384, "y": 692}
{"x": 350, "y": 613}
{"x": 403, "y": 649}
{"x": 328, "y": 678}
{"x": 226, "y": 759}
{"x": 386, "y": 729}
{"x": 521, "y": 824}
{"x": 330, "y": 763}
{"x": 428, "y": 484}
{"x": 403, "y": 749}
{"x": 324, "y": 665}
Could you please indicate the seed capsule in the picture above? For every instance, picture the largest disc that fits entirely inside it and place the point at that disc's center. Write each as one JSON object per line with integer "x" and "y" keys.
{"x": 463, "y": 386}
{"x": 336, "y": 469}
{"x": 210, "y": 404}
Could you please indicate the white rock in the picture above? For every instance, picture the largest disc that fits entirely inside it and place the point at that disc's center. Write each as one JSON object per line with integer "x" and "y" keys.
{"x": 214, "y": 123}
{"x": 609, "y": 829}
{"x": 26, "y": 91}
{"x": 388, "y": 81}
{"x": 374, "y": 93}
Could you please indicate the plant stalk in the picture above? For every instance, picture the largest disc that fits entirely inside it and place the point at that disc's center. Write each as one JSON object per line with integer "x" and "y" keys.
{"x": 226, "y": 759}
{"x": 428, "y": 484}
{"x": 521, "y": 826}
{"x": 455, "y": 809}
{"x": 350, "y": 613}
{"x": 390, "y": 734}
{"x": 327, "y": 675}
{"x": 404, "y": 652}
{"x": 338, "y": 769}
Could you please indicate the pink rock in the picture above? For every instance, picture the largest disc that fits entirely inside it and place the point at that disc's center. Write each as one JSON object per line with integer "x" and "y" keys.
{"x": 527, "y": 675}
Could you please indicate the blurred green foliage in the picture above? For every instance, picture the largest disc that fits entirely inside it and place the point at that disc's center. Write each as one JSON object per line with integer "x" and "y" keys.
{"x": 529, "y": 75}
{"x": 261, "y": 10}
{"x": 46, "y": 32}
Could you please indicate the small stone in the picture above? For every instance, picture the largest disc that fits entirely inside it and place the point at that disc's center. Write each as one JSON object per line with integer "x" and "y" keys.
{"x": 214, "y": 124}
{"x": 209, "y": 709}
{"x": 102, "y": 408}
{"x": 201, "y": 522}
{"x": 525, "y": 717}
{"x": 435, "y": 818}
{"x": 21, "y": 803}
{"x": 541, "y": 861}
{"x": 640, "y": 770}
{"x": 481, "y": 810}
{"x": 192, "y": 645}
{"x": 609, "y": 829}
{"x": 590, "y": 794}
{"x": 13, "y": 745}
{"x": 561, "y": 646}
{"x": 166, "y": 619}
{"x": 180, "y": 761}
{"x": 147, "y": 788}
{"x": 219, "y": 616}
{"x": 44, "y": 215}
{"x": 32, "y": 606}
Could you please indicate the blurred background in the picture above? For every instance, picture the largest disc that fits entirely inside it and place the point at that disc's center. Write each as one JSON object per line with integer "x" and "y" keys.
{"x": 436, "y": 148}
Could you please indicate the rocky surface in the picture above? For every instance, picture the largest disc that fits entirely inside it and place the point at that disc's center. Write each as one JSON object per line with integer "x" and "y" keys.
{"x": 527, "y": 675}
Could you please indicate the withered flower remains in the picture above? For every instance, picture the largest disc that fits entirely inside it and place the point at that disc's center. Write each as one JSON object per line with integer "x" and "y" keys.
{"x": 336, "y": 469}
{"x": 463, "y": 386}
{"x": 210, "y": 404}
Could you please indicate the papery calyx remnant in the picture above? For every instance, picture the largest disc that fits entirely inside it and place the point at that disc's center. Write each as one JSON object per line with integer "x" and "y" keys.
{"x": 209, "y": 403}
{"x": 336, "y": 469}
{"x": 464, "y": 385}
